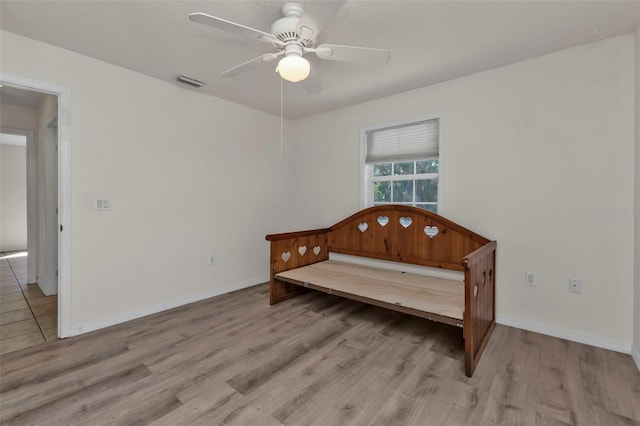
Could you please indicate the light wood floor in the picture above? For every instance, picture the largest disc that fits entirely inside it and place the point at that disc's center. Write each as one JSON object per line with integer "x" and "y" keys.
{"x": 27, "y": 316}
{"x": 316, "y": 359}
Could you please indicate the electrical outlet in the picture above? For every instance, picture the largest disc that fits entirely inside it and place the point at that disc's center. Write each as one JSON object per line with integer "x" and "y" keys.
{"x": 575, "y": 286}
{"x": 212, "y": 260}
{"x": 530, "y": 279}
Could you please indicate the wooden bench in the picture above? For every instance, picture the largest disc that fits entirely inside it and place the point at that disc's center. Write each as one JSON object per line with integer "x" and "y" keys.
{"x": 404, "y": 234}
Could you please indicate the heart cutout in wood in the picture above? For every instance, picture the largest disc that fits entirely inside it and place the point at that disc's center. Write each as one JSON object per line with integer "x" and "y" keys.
{"x": 383, "y": 220}
{"x": 316, "y": 250}
{"x": 302, "y": 250}
{"x": 286, "y": 256}
{"x": 406, "y": 221}
{"x": 363, "y": 226}
{"x": 431, "y": 231}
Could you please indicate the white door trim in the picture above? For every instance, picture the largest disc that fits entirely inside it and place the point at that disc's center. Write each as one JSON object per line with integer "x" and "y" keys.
{"x": 64, "y": 190}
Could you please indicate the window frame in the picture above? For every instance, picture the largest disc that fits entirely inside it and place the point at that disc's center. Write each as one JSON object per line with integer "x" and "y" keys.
{"x": 366, "y": 170}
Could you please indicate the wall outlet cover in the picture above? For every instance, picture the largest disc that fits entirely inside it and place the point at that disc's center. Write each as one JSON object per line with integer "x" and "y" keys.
{"x": 530, "y": 279}
{"x": 575, "y": 286}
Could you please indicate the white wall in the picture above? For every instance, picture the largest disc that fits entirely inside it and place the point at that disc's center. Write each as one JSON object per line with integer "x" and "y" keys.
{"x": 188, "y": 176}
{"x": 636, "y": 309}
{"x": 13, "y": 197}
{"x": 13, "y": 214}
{"x": 535, "y": 152}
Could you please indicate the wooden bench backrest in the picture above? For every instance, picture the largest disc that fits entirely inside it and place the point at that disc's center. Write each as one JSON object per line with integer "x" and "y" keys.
{"x": 404, "y": 234}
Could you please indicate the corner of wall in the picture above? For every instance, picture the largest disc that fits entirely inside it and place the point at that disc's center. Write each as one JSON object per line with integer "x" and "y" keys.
{"x": 635, "y": 354}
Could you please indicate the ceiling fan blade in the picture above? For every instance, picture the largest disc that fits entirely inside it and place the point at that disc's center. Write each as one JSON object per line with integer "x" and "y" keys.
{"x": 317, "y": 15}
{"x": 252, "y": 63}
{"x": 359, "y": 55}
{"x": 242, "y": 30}
{"x": 312, "y": 84}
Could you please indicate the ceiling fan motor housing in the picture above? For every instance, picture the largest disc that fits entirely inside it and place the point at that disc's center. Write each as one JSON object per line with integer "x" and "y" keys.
{"x": 286, "y": 28}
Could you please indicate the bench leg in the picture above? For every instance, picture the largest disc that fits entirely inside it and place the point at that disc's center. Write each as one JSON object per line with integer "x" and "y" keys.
{"x": 279, "y": 291}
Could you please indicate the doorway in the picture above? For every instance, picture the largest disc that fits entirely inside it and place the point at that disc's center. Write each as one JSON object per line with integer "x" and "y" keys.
{"x": 48, "y": 211}
{"x": 28, "y": 217}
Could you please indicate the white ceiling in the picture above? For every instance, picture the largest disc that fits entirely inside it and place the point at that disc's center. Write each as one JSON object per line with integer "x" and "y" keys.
{"x": 430, "y": 41}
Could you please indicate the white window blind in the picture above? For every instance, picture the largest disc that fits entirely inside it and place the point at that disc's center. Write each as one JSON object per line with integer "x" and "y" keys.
{"x": 420, "y": 140}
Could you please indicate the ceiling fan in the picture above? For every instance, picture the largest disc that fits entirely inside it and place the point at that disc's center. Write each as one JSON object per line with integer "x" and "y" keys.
{"x": 294, "y": 35}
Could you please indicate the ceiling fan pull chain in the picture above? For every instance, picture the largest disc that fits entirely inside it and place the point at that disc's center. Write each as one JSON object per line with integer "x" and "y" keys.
{"x": 281, "y": 120}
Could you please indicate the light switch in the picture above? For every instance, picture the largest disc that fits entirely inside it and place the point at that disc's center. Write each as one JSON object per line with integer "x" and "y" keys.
{"x": 103, "y": 204}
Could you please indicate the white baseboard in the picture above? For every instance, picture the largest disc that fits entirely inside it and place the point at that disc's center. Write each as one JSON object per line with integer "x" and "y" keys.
{"x": 574, "y": 336}
{"x": 635, "y": 354}
{"x": 128, "y": 316}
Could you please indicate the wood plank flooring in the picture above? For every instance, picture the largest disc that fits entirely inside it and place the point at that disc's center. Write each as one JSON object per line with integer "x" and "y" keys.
{"x": 313, "y": 360}
{"x": 27, "y": 316}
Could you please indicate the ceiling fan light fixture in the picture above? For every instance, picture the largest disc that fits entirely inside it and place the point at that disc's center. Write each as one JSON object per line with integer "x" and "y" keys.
{"x": 293, "y": 68}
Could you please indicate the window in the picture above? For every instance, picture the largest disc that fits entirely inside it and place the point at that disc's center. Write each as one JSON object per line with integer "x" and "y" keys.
{"x": 402, "y": 165}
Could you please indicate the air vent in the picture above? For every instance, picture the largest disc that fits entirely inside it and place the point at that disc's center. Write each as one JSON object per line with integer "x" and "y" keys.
{"x": 288, "y": 36}
{"x": 190, "y": 81}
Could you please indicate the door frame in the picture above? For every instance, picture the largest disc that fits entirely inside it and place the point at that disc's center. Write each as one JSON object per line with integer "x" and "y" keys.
{"x": 64, "y": 190}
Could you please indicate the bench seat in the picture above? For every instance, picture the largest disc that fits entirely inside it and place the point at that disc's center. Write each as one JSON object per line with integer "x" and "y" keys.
{"x": 419, "y": 295}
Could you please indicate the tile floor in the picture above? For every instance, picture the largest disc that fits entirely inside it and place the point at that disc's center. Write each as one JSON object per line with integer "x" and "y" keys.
{"x": 27, "y": 317}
